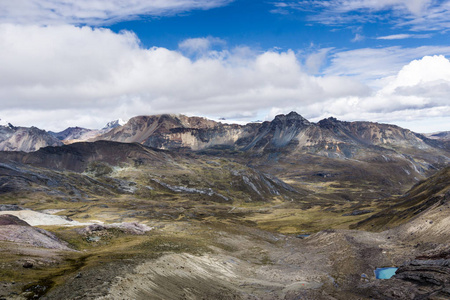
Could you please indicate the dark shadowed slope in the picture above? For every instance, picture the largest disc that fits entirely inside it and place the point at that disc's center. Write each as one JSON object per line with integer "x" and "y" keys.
{"x": 83, "y": 170}
{"x": 430, "y": 194}
{"x": 77, "y": 156}
{"x": 443, "y": 135}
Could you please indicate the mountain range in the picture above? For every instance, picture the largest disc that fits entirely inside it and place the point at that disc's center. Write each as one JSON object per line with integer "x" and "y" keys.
{"x": 25, "y": 139}
{"x": 165, "y": 204}
{"x": 79, "y": 134}
{"x": 366, "y": 160}
{"x": 331, "y": 136}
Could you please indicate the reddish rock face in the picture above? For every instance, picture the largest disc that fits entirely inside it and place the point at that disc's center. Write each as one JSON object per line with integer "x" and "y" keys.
{"x": 11, "y": 220}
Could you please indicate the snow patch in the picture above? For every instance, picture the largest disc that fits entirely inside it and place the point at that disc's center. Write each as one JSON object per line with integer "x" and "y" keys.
{"x": 35, "y": 218}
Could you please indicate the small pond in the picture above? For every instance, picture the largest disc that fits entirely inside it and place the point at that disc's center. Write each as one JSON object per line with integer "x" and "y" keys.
{"x": 385, "y": 273}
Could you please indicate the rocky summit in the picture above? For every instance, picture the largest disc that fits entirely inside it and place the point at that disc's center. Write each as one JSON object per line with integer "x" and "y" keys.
{"x": 177, "y": 207}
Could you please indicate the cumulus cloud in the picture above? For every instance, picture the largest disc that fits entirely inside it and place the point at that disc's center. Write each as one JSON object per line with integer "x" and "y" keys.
{"x": 411, "y": 97}
{"x": 423, "y": 83}
{"x": 94, "y": 12}
{"x": 373, "y": 66}
{"x": 430, "y": 69}
{"x": 84, "y": 70}
{"x": 59, "y": 76}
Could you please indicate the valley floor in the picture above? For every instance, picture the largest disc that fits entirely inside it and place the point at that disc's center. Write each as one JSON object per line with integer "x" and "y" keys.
{"x": 222, "y": 258}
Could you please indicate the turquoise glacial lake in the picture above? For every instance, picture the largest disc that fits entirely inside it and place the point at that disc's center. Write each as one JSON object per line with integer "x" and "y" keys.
{"x": 385, "y": 273}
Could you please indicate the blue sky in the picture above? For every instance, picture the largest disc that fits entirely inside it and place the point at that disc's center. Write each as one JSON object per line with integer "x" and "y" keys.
{"x": 245, "y": 22}
{"x": 262, "y": 25}
{"x": 86, "y": 62}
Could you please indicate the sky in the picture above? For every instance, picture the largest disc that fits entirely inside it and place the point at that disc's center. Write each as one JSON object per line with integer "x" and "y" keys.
{"x": 86, "y": 62}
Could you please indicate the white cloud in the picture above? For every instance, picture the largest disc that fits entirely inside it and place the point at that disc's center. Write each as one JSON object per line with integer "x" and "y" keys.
{"x": 430, "y": 69}
{"x": 412, "y": 97}
{"x": 314, "y": 61}
{"x": 59, "y": 76}
{"x": 404, "y": 36}
{"x": 415, "y": 7}
{"x": 94, "y": 12}
{"x": 358, "y": 38}
{"x": 437, "y": 18}
{"x": 373, "y": 66}
{"x": 196, "y": 44}
{"x": 200, "y": 46}
{"x": 418, "y": 15}
{"x": 67, "y": 72}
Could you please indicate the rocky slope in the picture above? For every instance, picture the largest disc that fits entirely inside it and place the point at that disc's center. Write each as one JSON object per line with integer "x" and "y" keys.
{"x": 443, "y": 135}
{"x": 429, "y": 197}
{"x": 96, "y": 170}
{"x": 13, "y": 229}
{"x": 343, "y": 139}
{"x": 75, "y": 134}
{"x": 377, "y": 156}
{"x": 25, "y": 139}
{"x": 178, "y": 131}
{"x": 76, "y": 157}
{"x": 371, "y": 160}
{"x": 420, "y": 218}
{"x": 426, "y": 276}
{"x": 292, "y": 133}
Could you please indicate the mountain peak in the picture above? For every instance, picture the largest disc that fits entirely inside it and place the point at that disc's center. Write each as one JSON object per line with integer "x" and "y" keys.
{"x": 294, "y": 114}
{"x": 328, "y": 122}
{"x": 292, "y": 117}
{"x": 114, "y": 124}
{"x": 5, "y": 123}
